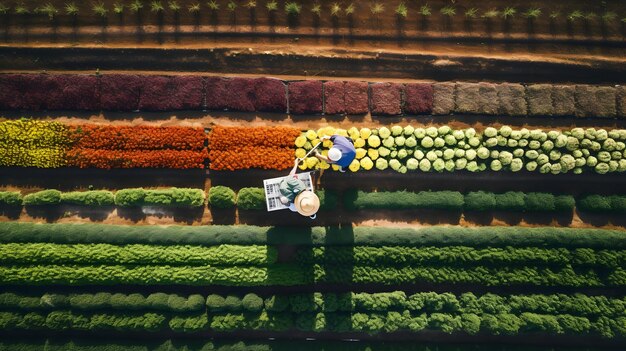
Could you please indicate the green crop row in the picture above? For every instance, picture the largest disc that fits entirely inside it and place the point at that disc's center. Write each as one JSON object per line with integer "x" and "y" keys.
{"x": 578, "y": 304}
{"x": 298, "y": 275}
{"x": 107, "y": 254}
{"x": 490, "y": 276}
{"x": 371, "y": 323}
{"x": 316, "y": 236}
{"x": 152, "y": 275}
{"x": 178, "y": 197}
{"x": 103, "y": 301}
{"x": 460, "y": 255}
{"x": 59, "y": 343}
{"x": 254, "y": 198}
{"x": 454, "y": 200}
{"x": 374, "y": 323}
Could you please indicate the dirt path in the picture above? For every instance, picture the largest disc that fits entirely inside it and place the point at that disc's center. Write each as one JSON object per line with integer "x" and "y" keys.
{"x": 472, "y": 64}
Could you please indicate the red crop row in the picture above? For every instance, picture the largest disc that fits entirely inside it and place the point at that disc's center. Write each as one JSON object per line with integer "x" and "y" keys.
{"x": 137, "y": 137}
{"x": 107, "y": 159}
{"x": 223, "y": 138}
{"x": 246, "y": 157}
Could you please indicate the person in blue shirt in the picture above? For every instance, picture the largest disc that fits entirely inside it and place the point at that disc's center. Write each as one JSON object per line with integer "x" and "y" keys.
{"x": 341, "y": 153}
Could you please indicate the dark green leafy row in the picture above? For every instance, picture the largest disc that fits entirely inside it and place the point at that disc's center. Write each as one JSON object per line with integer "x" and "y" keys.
{"x": 137, "y": 254}
{"x": 603, "y": 204}
{"x": 155, "y": 344}
{"x": 577, "y": 305}
{"x": 393, "y": 321}
{"x": 103, "y": 301}
{"x": 454, "y": 200}
{"x": 152, "y": 275}
{"x": 459, "y": 255}
{"x": 316, "y": 236}
{"x": 500, "y": 276}
{"x": 372, "y": 323}
{"x": 177, "y": 197}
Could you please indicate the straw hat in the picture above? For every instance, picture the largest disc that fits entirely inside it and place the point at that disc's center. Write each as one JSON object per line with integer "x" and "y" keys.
{"x": 334, "y": 154}
{"x": 307, "y": 203}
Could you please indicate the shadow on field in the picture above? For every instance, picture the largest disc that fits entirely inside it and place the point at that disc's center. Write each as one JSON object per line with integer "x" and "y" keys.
{"x": 51, "y": 213}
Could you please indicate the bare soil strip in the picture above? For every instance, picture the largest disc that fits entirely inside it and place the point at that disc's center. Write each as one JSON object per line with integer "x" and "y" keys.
{"x": 315, "y": 61}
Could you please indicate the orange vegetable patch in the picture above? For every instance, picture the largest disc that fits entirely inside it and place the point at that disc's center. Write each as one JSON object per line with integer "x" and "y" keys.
{"x": 246, "y": 157}
{"x": 224, "y": 138}
{"x": 137, "y": 137}
{"x": 94, "y": 158}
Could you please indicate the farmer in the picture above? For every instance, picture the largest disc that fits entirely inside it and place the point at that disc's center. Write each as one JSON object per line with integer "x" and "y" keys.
{"x": 293, "y": 193}
{"x": 341, "y": 153}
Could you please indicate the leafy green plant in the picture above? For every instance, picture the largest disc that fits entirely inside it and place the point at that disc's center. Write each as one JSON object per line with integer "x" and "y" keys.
{"x": 71, "y": 9}
{"x": 221, "y": 197}
{"x": 251, "y": 4}
{"x": 10, "y": 198}
{"x": 174, "y": 5}
{"x": 532, "y": 13}
{"x": 48, "y": 9}
{"x": 271, "y": 5}
{"x": 574, "y": 16}
{"x": 425, "y": 10}
{"x": 609, "y": 16}
{"x": 293, "y": 8}
{"x": 335, "y": 10}
{"x": 377, "y": 8}
{"x": 4, "y": 9}
{"x": 118, "y": 8}
{"x": 21, "y": 9}
{"x": 554, "y": 15}
{"x": 590, "y": 16}
{"x": 44, "y": 197}
{"x": 194, "y": 8}
{"x": 509, "y": 12}
{"x": 136, "y": 6}
{"x": 231, "y": 6}
{"x": 350, "y": 9}
{"x": 449, "y": 11}
{"x": 471, "y": 13}
{"x": 213, "y": 5}
{"x": 89, "y": 198}
{"x": 156, "y": 6}
{"x": 100, "y": 9}
{"x": 251, "y": 199}
{"x": 492, "y": 13}
{"x": 402, "y": 10}
{"x": 317, "y": 9}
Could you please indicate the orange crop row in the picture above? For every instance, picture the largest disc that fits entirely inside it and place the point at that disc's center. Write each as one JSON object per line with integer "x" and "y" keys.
{"x": 137, "y": 137}
{"x": 246, "y": 157}
{"x": 94, "y": 158}
{"x": 223, "y": 138}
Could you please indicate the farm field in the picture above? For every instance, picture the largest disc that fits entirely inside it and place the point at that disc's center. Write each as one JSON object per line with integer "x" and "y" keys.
{"x": 484, "y": 209}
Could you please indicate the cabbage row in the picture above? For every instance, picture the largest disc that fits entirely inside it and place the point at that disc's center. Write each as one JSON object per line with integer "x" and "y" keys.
{"x": 443, "y": 149}
{"x": 317, "y": 312}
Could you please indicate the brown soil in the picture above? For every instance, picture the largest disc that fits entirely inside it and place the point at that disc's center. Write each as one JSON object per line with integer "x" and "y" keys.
{"x": 444, "y": 61}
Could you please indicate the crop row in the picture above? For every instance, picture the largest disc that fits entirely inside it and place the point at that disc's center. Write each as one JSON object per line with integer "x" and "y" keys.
{"x": 137, "y": 254}
{"x": 228, "y": 255}
{"x": 43, "y": 144}
{"x": 159, "y": 93}
{"x": 400, "y": 256}
{"x": 445, "y": 149}
{"x": 441, "y": 236}
{"x": 371, "y": 323}
{"x": 177, "y": 197}
{"x": 361, "y": 312}
{"x": 577, "y": 305}
{"x": 59, "y": 343}
{"x": 523, "y": 272}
